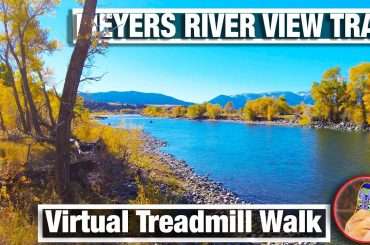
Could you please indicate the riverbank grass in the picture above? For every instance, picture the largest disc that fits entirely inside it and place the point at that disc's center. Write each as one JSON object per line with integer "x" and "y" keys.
{"x": 123, "y": 172}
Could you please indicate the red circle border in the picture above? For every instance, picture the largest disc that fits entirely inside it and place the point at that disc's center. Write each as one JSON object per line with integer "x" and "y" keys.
{"x": 339, "y": 191}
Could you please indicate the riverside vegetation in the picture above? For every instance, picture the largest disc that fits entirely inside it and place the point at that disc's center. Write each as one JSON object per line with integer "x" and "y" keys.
{"x": 36, "y": 123}
{"x": 51, "y": 148}
{"x": 338, "y": 104}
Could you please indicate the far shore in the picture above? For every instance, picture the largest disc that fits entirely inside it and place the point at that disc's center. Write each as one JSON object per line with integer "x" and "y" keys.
{"x": 342, "y": 126}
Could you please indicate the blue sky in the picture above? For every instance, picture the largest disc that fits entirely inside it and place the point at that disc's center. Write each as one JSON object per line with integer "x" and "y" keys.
{"x": 197, "y": 73}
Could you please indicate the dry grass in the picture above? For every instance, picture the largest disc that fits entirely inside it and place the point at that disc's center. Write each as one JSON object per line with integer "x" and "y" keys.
{"x": 16, "y": 229}
{"x": 19, "y": 199}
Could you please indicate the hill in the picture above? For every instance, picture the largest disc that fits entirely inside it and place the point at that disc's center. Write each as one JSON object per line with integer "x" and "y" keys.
{"x": 133, "y": 98}
{"x": 140, "y": 98}
{"x": 240, "y": 99}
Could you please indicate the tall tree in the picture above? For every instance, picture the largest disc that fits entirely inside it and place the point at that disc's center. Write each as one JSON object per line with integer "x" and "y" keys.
{"x": 8, "y": 77}
{"x": 229, "y": 107}
{"x": 26, "y": 40}
{"x": 213, "y": 111}
{"x": 329, "y": 95}
{"x": 265, "y": 108}
{"x": 359, "y": 89}
{"x": 47, "y": 99}
{"x": 68, "y": 98}
{"x": 2, "y": 124}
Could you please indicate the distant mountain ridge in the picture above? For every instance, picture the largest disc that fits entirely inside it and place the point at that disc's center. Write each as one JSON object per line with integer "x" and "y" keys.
{"x": 141, "y": 98}
{"x": 239, "y": 100}
{"x": 133, "y": 98}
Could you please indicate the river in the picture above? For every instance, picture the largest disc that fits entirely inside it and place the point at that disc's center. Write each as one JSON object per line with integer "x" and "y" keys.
{"x": 260, "y": 163}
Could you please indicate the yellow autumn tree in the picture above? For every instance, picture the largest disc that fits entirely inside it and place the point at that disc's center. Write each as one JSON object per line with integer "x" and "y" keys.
{"x": 229, "y": 107}
{"x": 329, "y": 96}
{"x": 213, "y": 111}
{"x": 359, "y": 93}
{"x": 196, "y": 111}
{"x": 265, "y": 108}
{"x": 178, "y": 111}
{"x": 24, "y": 41}
{"x": 8, "y": 111}
{"x": 154, "y": 111}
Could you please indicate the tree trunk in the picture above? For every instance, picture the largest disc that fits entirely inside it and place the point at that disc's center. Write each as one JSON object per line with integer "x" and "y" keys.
{"x": 331, "y": 114}
{"x": 27, "y": 111}
{"x": 363, "y": 110}
{"x": 22, "y": 66}
{"x": 11, "y": 48}
{"x": 68, "y": 98}
{"x": 33, "y": 111}
{"x": 47, "y": 100}
{"x": 2, "y": 124}
{"x": 25, "y": 126}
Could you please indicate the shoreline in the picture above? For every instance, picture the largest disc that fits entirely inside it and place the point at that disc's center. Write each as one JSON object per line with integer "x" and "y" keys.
{"x": 198, "y": 189}
{"x": 342, "y": 126}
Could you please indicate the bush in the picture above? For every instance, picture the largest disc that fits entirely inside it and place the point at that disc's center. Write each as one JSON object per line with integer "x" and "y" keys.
{"x": 304, "y": 120}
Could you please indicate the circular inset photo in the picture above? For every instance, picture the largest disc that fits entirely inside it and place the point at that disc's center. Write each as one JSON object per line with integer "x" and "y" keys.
{"x": 351, "y": 209}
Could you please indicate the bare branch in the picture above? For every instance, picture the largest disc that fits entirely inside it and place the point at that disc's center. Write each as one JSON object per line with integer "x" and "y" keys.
{"x": 93, "y": 79}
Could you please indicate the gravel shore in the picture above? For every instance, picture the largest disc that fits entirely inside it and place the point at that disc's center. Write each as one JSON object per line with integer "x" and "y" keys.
{"x": 343, "y": 126}
{"x": 199, "y": 189}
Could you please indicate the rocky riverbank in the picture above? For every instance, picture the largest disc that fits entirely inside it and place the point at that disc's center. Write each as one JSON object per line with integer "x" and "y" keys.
{"x": 198, "y": 189}
{"x": 342, "y": 126}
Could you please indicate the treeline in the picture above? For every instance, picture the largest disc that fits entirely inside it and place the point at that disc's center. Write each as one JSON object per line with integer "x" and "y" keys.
{"x": 336, "y": 100}
{"x": 196, "y": 111}
{"x": 343, "y": 100}
{"x": 264, "y": 109}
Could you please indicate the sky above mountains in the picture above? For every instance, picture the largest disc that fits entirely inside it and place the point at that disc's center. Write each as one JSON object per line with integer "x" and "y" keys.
{"x": 199, "y": 72}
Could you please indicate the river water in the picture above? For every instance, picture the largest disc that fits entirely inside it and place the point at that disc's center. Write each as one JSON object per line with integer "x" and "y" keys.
{"x": 262, "y": 164}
